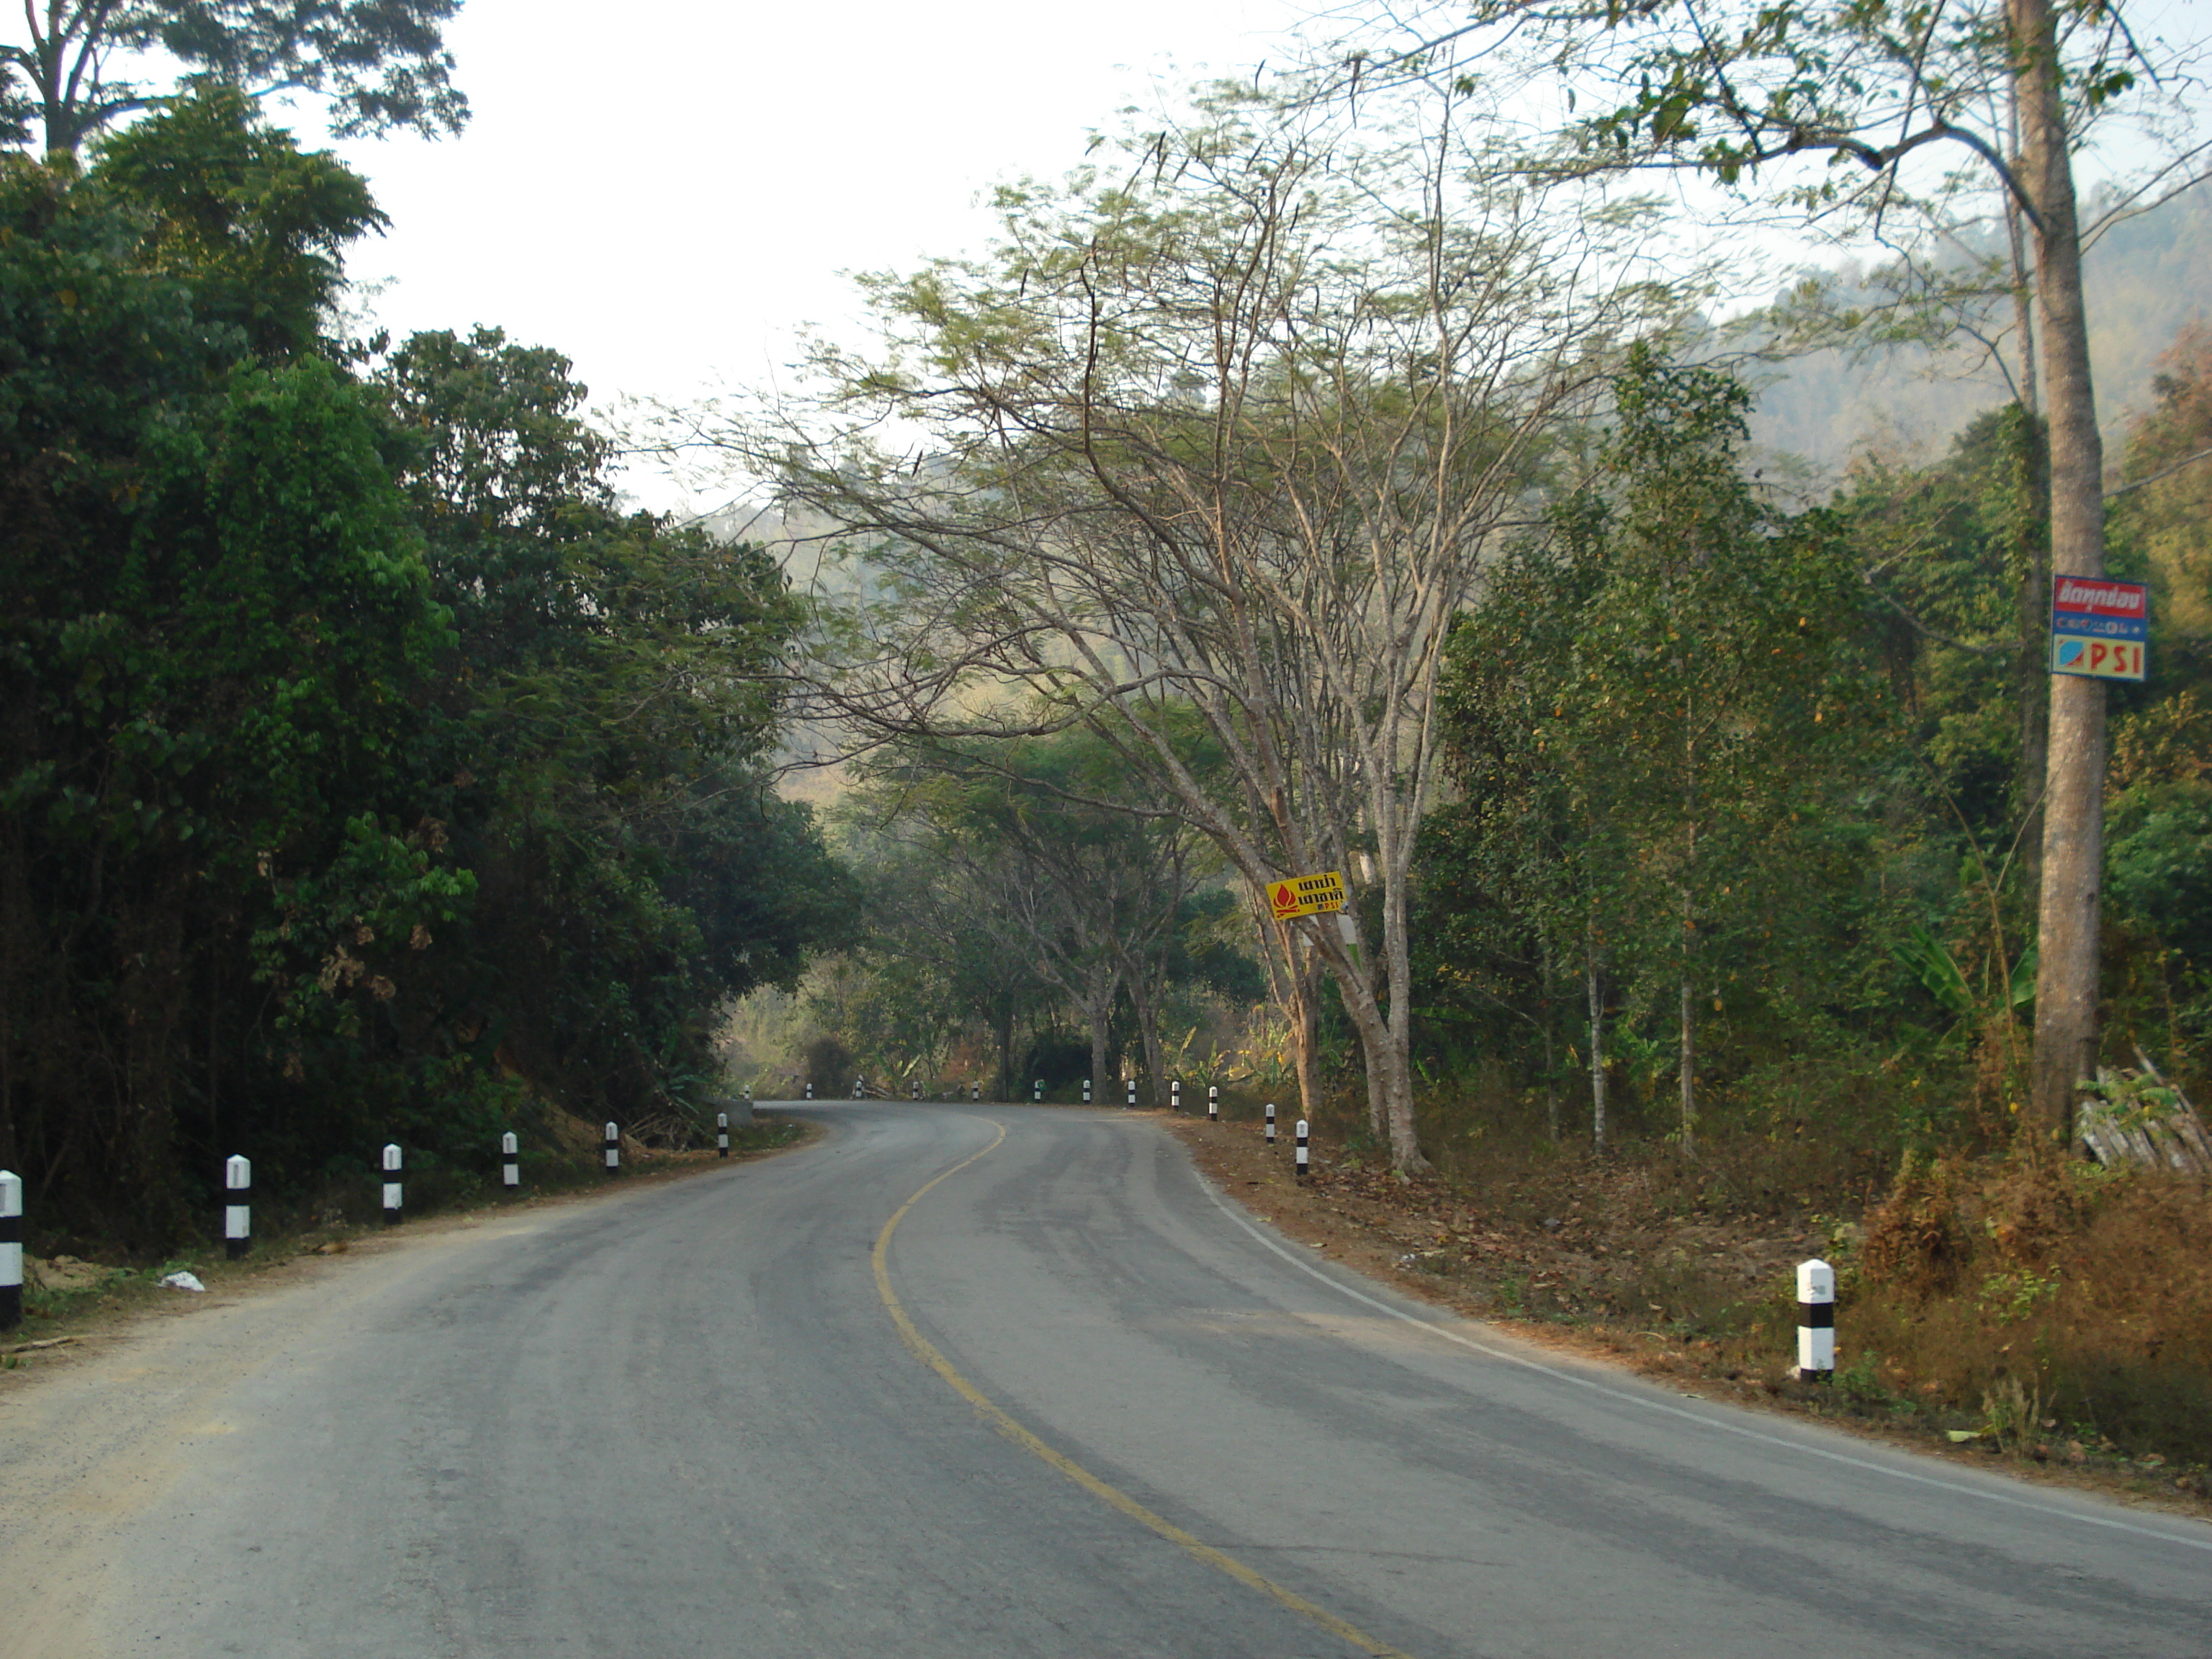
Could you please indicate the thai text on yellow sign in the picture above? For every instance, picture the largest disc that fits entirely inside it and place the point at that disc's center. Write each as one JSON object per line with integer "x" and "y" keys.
{"x": 1306, "y": 896}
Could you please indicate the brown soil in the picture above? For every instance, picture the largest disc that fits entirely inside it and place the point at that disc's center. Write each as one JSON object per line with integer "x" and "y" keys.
{"x": 1582, "y": 1260}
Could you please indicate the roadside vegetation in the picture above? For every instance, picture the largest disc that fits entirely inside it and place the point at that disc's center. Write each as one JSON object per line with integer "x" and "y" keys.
{"x": 371, "y": 774}
{"x": 1330, "y": 474}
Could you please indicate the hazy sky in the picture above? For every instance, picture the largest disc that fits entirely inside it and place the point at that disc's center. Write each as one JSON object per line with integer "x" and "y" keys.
{"x": 663, "y": 191}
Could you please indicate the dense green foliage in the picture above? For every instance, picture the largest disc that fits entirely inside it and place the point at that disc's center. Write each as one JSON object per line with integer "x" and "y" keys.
{"x": 365, "y": 768}
{"x": 1762, "y": 777}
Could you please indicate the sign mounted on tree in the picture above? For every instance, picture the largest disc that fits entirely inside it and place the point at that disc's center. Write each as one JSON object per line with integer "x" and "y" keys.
{"x": 2100, "y": 629}
{"x": 1306, "y": 896}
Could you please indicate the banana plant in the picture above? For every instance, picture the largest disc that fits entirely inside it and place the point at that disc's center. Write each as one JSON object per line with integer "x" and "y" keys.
{"x": 1922, "y": 955}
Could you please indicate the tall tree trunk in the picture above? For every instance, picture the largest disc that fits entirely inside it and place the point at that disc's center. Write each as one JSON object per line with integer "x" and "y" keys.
{"x": 1687, "y": 1069}
{"x": 2074, "y": 808}
{"x": 1551, "y": 1064}
{"x": 1406, "y": 1156}
{"x": 2031, "y": 548}
{"x": 1688, "y": 1065}
{"x": 1293, "y": 977}
{"x": 1383, "y": 1050}
{"x": 2030, "y": 560}
{"x": 1304, "y": 1007}
{"x": 1594, "y": 980}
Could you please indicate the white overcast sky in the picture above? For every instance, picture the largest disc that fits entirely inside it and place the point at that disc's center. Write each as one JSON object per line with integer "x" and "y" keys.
{"x": 665, "y": 189}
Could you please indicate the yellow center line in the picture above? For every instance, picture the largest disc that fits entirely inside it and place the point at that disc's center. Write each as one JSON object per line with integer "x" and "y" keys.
{"x": 925, "y": 1351}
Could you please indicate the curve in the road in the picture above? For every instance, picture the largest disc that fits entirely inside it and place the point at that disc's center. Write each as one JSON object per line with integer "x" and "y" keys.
{"x": 1105, "y": 1491}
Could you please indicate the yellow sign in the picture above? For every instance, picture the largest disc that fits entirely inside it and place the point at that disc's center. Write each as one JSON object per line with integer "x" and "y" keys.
{"x": 1306, "y": 896}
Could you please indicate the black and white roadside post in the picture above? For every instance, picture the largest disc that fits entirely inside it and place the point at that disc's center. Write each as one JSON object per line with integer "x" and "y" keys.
{"x": 1816, "y": 1320}
{"x": 510, "y": 1162}
{"x": 1175, "y": 1094}
{"x": 11, "y": 1249}
{"x": 392, "y": 1159}
{"x": 974, "y": 1091}
{"x": 721, "y": 1135}
{"x": 1086, "y": 1091}
{"x": 237, "y": 1207}
{"x": 1271, "y": 1123}
{"x": 917, "y": 1090}
{"x": 1132, "y": 1100}
{"x": 613, "y": 1144}
{"x": 810, "y": 1091}
{"x": 1213, "y": 1102}
{"x": 1303, "y": 1154}
{"x": 1036, "y": 1090}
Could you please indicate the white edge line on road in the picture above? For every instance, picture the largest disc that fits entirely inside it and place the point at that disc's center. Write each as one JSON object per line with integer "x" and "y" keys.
{"x": 1702, "y": 1420}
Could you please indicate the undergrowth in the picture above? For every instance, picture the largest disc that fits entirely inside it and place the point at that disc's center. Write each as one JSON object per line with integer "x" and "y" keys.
{"x": 2039, "y": 1306}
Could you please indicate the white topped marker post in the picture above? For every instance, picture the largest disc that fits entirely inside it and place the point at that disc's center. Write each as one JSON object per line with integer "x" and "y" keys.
{"x": 393, "y": 1160}
{"x": 1816, "y": 1322}
{"x": 11, "y": 1249}
{"x": 237, "y": 1207}
{"x": 1271, "y": 1123}
{"x": 612, "y": 1142}
{"x": 1213, "y": 1102}
{"x": 1303, "y": 1154}
{"x": 721, "y": 1135}
{"x": 510, "y": 1161}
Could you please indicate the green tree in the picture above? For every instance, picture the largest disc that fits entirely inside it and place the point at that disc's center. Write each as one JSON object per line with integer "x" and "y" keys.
{"x": 255, "y": 222}
{"x": 380, "y": 64}
{"x": 600, "y": 733}
{"x": 1221, "y": 444}
{"x": 340, "y": 778}
{"x": 1835, "y": 105}
{"x": 217, "y": 611}
{"x": 1654, "y": 708}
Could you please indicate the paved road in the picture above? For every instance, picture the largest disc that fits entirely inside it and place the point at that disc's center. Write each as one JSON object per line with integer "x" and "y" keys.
{"x": 1122, "y": 1419}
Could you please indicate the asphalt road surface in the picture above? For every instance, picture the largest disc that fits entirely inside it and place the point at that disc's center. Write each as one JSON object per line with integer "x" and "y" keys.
{"x": 1066, "y": 1401}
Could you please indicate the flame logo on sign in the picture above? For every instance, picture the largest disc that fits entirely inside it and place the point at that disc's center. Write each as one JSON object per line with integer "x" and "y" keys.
{"x": 1285, "y": 900}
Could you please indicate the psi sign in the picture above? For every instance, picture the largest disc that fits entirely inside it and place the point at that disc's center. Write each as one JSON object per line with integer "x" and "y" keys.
{"x": 2099, "y": 629}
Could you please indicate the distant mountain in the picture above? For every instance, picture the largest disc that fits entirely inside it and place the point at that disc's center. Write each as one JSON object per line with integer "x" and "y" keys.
{"x": 2145, "y": 279}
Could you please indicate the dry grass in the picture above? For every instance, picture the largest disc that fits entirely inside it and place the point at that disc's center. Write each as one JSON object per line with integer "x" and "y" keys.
{"x": 2044, "y": 1312}
{"x": 2072, "y": 1306}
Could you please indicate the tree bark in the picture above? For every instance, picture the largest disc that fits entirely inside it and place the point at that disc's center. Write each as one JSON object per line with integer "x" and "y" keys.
{"x": 2072, "y": 822}
{"x": 1551, "y": 1069}
{"x": 1594, "y": 979}
{"x": 1688, "y": 1068}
